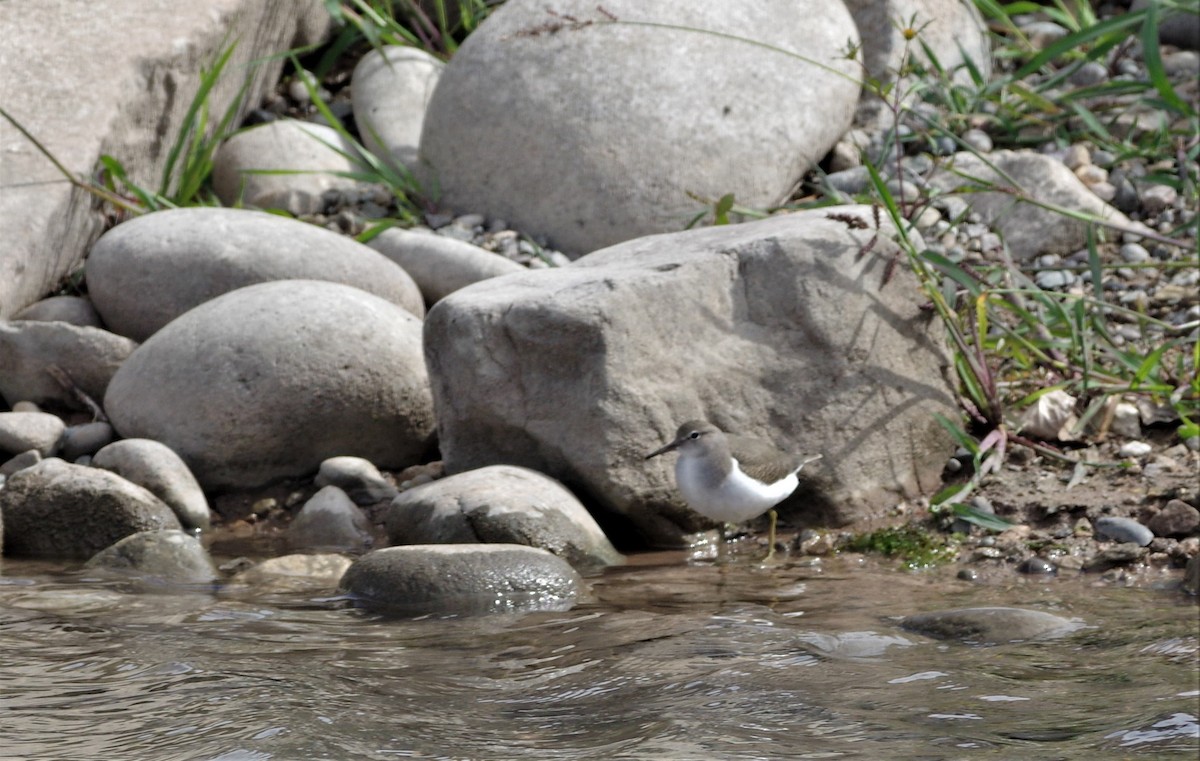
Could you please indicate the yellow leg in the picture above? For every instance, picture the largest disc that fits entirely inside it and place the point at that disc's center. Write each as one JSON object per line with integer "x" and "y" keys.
{"x": 771, "y": 536}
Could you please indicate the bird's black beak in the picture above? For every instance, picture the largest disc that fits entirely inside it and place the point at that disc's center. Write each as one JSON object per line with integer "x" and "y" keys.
{"x": 663, "y": 450}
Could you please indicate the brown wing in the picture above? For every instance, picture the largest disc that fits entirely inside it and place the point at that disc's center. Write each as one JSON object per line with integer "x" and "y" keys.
{"x": 760, "y": 460}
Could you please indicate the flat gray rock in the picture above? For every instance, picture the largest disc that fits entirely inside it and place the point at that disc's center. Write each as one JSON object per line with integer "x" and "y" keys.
{"x": 268, "y": 381}
{"x": 441, "y": 265}
{"x": 390, "y": 89}
{"x": 22, "y": 431}
{"x": 313, "y": 155}
{"x": 29, "y": 349}
{"x": 58, "y": 510}
{"x": 156, "y": 467}
{"x": 358, "y": 478}
{"x": 1028, "y": 230}
{"x": 500, "y": 504}
{"x": 146, "y": 272}
{"x": 456, "y": 579}
{"x": 775, "y": 329}
{"x": 167, "y": 555}
{"x": 76, "y": 310}
{"x": 591, "y": 132}
{"x": 330, "y": 521}
{"x": 990, "y": 625}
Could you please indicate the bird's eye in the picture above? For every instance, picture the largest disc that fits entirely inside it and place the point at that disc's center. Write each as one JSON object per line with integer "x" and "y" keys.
{"x": 694, "y": 435}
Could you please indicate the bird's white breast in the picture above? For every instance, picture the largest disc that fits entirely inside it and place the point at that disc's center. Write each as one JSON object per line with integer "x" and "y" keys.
{"x": 735, "y": 499}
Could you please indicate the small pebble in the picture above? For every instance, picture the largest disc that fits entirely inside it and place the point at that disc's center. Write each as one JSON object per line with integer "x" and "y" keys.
{"x": 1076, "y": 156}
{"x": 1134, "y": 253}
{"x": 1103, "y": 190}
{"x": 1090, "y": 174}
{"x": 978, "y": 140}
{"x": 1134, "y": 449}
{"x": 1123, "y": 530}
{"x": 968, "y": 574}
{"x": 1037, "y": 566}
{"x": 1049, "y": 280}
{"x": 1090, "y": 73}
{"x": 1157, "y": 198}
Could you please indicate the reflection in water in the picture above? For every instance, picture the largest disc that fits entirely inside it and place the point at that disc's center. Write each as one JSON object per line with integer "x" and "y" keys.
{"x": 666, "y": 661}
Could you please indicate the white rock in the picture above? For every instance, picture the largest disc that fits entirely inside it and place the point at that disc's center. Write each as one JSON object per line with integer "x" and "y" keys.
{"x": 390, "y": 90}
{"x": 590, "y": 132}
{"x": 1135, "y": 449}
{"x": 313, "y": 154}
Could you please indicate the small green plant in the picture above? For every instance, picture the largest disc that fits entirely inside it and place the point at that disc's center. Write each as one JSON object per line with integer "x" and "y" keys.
{"x": 917, "y": 547}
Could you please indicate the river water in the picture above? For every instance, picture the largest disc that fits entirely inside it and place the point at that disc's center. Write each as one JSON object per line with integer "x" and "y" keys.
{"x": 668, "y": 659}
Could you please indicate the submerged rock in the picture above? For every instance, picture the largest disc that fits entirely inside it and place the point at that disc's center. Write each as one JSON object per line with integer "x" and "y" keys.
{"x": 168, "y": 555}
{"x": 461, "y": 579}
{"x": 990, "y": 625}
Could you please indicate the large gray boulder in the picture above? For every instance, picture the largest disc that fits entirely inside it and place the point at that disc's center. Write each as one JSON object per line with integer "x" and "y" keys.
{"x": 287, "y": 164}
{"x": 55, "y": 509}
{"x": 166, "y": 555}
{"x": 593, "y": 125}
{"x": 500, "y": 504}
{"x": 156, "y": 467}
{"x": 390, "y": 89}
{"x": 780, "y": 329}
{"x": 146, "y": 272}
{"x": 267, "y": 381}
{"x": 1028, "y": 229}
{"x": 952, "y": 29}
{"x": 462, "y": 579}
{"x": 30, "y": 350}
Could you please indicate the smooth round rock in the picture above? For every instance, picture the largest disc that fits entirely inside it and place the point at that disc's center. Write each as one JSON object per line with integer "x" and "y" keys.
{"x": 168, "y": 555}
{"x": 390, "y": 88}
{"x": 1177, "y": 518}
{"x": 268, "y": 381}
{"x": 157, "y": 468}
{"x": 85, "y": 439}
{"x": 312, "y": 154}
{"x": 438, "y": 264}
{"x": 22, "y": 431}
{"x": 76, "y": 310}
{"x": 462, "y": 579}
{"x": 88, "y": 356}
{"x": 358, "y": 478}
{"x": 601, "y": 134}
{"x": 1123, "y": 530}
{"x": 990, "y": 625}
{"x": 55, "y": 509}
{"x": 500, "y": 504}
{"x": 146, "y": 272}
{"x": 330, "y": 521}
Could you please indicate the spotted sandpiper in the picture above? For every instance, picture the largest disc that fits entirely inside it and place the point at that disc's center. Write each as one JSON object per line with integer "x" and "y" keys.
{"x": 732, "y": 478}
